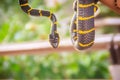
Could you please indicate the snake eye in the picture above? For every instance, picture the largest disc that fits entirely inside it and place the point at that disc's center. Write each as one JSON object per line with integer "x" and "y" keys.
{"x": 54, "y": 40}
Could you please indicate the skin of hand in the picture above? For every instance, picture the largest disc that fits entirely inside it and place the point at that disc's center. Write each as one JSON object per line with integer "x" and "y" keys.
{"x": 115, "y": 6}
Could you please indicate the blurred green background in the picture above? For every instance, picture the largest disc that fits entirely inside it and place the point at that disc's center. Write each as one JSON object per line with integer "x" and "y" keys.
{"x": 18, "y": 27}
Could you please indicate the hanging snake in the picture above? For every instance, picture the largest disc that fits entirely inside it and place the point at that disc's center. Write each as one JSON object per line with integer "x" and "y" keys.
{"x": 82, "y": 24}
{"x": 54, "y": 36}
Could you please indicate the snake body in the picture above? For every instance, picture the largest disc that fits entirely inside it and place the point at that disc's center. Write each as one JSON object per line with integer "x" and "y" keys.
{"x": 82, "y": 24}
{"x": 54, "y": 36}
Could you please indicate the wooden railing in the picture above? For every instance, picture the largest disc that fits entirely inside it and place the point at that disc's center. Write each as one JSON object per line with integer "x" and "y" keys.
{"x": 101, "y": 42}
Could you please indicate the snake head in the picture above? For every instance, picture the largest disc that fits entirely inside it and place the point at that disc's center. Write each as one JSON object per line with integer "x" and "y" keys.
{"x": 54, "y": 40}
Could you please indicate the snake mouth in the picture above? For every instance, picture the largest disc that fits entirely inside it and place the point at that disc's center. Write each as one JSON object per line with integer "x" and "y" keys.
{"x": 54, "y": 40}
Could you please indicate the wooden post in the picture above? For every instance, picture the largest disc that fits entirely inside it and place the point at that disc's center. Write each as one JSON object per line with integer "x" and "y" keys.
{"x": 115, "y": 72}
{"x": 115, "y": 59}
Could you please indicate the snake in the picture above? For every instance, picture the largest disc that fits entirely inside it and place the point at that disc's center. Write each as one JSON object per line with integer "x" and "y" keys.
{"x": 82, "y": 28}
{"x": 53, "y": 36}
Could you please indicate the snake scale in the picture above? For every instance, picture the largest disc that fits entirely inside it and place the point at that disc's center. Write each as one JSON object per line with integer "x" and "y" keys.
{"x": 82, "y": 24}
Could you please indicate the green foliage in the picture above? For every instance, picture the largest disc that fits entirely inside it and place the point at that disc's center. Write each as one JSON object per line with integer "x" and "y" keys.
{"x": 106, "y": 12}
{"x": 55, "y": 66}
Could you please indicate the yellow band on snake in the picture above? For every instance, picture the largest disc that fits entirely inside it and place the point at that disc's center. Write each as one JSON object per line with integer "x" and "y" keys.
{"x": 84, "y": 31}
{"x": 86, "y": 45}
{"x": 40, "y": 12}
{"x": 26, "y": 4}
{"x": 85, "y": 18}
{"x": 86, "y": 5}
{"x": 29, "y": 11}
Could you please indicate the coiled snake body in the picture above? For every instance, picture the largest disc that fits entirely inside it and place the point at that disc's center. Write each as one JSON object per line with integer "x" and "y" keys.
{"x": 82, "y": 24}
{"x": 54, "y": 36}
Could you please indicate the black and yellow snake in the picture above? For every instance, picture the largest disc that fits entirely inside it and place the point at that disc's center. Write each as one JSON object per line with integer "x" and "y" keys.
{"x": 82, "y": 25}
{"x": 54, "y": 36}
